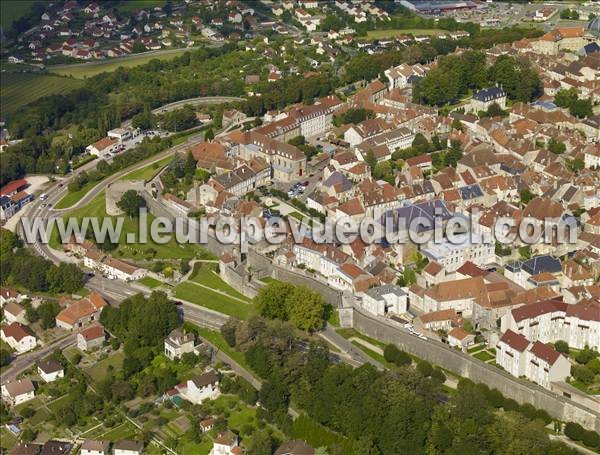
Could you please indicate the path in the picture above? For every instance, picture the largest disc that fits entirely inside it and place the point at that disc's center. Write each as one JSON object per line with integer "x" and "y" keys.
{"x": 347, "y": 348}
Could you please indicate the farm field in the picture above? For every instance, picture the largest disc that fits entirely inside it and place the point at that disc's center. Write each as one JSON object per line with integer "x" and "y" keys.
{"x": 392, "y": 33}
{"x": 20, "y": 89}
{"x": 84, "y": 70}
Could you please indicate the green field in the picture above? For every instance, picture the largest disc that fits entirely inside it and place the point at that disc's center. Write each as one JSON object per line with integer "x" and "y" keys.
{"x": 72, "y": 197}
{"x": 216, "y": 339}
{"x": 150, "y": 282}
{"x": 11, "y": 10}
{"x": 204, "y": 273}
{"x": 19, "y": 89}
{"x": 148, "y": 172}
{"x": 137, "y": 250}
{"x": 214, "y": 301}
{"x": 483, "y": 356}
{"x": 100, "y": 369}
{"x": 83, "y": 70}
{"x": 392, "y": 33}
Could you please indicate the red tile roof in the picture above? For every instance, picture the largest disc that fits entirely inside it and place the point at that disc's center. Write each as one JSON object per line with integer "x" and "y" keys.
{"x": 17, "y": 331}
{"x": 13, "y": 186}
{"x": 537, "y": 309}
{"x": 545, "y": 352}
{"x": 515, "y": 340}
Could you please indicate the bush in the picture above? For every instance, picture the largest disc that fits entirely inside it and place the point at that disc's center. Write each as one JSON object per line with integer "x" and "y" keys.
{"x": 394, "y": 355}
{"x": 582, "y": 373}
{"x": 495, "y": 398}
{"x": 591, "y": 439}
{"x": 438, "y": 375}
{"x": 562, "y": 347}
{"x": 425, "y": 368}
{"x": 574, "y": 431}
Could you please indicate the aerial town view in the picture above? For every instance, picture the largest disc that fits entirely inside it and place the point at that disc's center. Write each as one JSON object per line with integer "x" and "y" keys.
{"x": 299, "y": 227}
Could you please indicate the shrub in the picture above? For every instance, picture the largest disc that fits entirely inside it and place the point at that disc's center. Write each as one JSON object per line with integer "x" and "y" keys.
{"x": 591, "y": 439}
{"x": 562, "y": 347}
{"x": 574, "y": 431}
{"x": 425, "y": 368}
{"x": 394, "y": 355}
{"x": 438, "y": 375}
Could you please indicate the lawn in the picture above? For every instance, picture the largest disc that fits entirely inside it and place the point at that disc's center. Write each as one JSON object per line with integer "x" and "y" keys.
{"x": 484, "y": 356}
{"x": 124, "y": 431}
{"x": 100, "y": 369}
{"x": 374, "y": 355}
{"x": 72, "y": 197}
{"x": 84, "y": 70}
{"x": 7, "y": 439}
{"x": 269, "y": 279}
{"x": 97, "y": 209}
{"x": 150, "y": 282}
{"x": 204, "y": 273}
{"x": 19, "y": 89}
{"x": 350, "y": 333}
{"x": 214, "y": 301}
{"x": 148, "y": 172}
{"x": 392, "y": 33}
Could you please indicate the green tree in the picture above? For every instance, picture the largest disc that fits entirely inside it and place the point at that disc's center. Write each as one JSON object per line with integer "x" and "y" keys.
{"x": 562, "y": 347}
{"x": 558, "y": 148}
{"x": 271, "y": 300}
{"x": 209, "y": 135}
{"x": 566, "y": 97}
{"x": 131, "y": 203}
{"x": 306, "y": 308}
{"x": 47, "y": 312}
{"x": 581, "y": 108}
{"x": 261, "y": 443}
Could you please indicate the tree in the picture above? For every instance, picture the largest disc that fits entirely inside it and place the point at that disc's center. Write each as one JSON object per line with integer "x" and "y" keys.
{"x": 65, "y": 277}
{"x": 566, "y": 97}
{"x": 574, "y": 431}
{"x": 131, "y": 203}
{"x": 228, "y": 331}
{"x": 47, "y": 312}
{"x": 558, "y": 148}
{"x": 371, "y": 160}
{"x": 271, "y": 300}
{"x": 526, "y": 196}
{"x": 582, "y": 373}
{"x": 425, "y": 368}
{"x": 306, "y": 308}
{"x": 562, "y": 347}
{"x": 261, "y": 443}
{"x": 209, "y": 135}
{"x": 581, "y": 108}
{"x": 190, "y": 165}
{"x": 394, "y": 355}
{"x": 5, "y": 357}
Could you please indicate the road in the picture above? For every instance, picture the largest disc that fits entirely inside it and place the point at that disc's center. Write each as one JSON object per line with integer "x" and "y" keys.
{"x": 25, "y": 361}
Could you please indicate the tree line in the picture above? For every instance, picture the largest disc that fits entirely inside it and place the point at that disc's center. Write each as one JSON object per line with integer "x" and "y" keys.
{"x": 400, "y": 410}
{"x": 20, "y": 267}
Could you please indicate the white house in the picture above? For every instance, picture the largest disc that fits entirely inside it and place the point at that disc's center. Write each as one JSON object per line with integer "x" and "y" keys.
{"x": 103, "y": 147}
{"x": 459, "y": 337}
{"x": 129, "y": 447}
{"x": 545, "y": 365}
{"x": 510, "y": 352}
{"x": 19, "y": 337}
{"x": 50, "y": 370}
{"x": 385, "y": 299}
{"x": 465, "y": 247}
{"x": 17, "y": 392}
{"x": 92, "y": 447}
{"x": 203, "y": 387}
{"x": 122, "y": 270}
{"x": 225, "y": 443}
{"x": 91, "y": 338}
{"x": 13, "y": 312}
{"x": 178, "y": 343}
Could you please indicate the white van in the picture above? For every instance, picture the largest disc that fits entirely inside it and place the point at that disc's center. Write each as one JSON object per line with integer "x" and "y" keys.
{"x": 43, "y": 196}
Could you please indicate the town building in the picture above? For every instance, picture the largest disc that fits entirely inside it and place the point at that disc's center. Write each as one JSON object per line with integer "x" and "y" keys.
{"x": 128, "y": 447}
{"x": 381, "y": 300}
{"x": 17, "y": 392}
{"x": 201, "y": 388}
{"x": 226, "y": 443}
{"x": 81, "y": 312}
{"x": 19, "y": 337}
{"x": 178, "y": 343}
{"x": 50, "y": 370}
{"x": 92, "y": 447}
{"x": 91, "y": 338}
